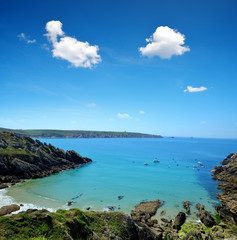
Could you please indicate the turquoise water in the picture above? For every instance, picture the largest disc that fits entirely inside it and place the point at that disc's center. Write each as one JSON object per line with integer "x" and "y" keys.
{"x": 118, "y": 169}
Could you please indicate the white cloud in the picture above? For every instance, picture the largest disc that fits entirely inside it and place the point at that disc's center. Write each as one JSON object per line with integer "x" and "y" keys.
{"x": 164, "y": 42}
{"x": 123, "y": 116}
{"x": 141, "y": 112}
{"x": 192, "y": 89}
{"x": 25, "y": 38}
{"x": 91, "y": 105}
{"x": 79, "y": 54}
{"x": 54, "y": 29}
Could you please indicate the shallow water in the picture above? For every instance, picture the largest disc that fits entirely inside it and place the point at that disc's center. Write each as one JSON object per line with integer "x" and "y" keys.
{"x": 118, "y": 169}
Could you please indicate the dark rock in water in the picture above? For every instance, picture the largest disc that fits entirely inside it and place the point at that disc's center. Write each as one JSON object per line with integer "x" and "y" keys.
{"x": 145, "y": 210}
{"x": 179, "y": 220}
{"x": 21, "y": 205}
{"x": 69, "y": 203}
{"x": 88, "y": 208}
{"x": 3, "y": 185}
{"x": 24, "y": 158}
{"x": 200, "y": 207}
{"x": 205, "y": 216}
{"x": 162, "y": 212}
{"x": 9, "y": 209}
{"x": 120, "y": 197}
{"x": 186, "y": 204}
{"x": 111, "y": 208}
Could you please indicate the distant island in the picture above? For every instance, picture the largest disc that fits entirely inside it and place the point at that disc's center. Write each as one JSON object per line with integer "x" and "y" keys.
{"x": 53, "y": 133}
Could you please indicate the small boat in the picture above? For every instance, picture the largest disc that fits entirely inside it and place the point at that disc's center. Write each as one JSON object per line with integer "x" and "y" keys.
{"x": 146, "y": 163}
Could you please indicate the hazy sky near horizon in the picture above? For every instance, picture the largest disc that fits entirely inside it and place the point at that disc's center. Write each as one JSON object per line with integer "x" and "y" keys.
{"x": 161, "y": 67}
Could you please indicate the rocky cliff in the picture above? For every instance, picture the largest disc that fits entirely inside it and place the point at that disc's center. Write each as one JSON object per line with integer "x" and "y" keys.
{"x": 226, "y": 173}
{"x": 22, "y": 157}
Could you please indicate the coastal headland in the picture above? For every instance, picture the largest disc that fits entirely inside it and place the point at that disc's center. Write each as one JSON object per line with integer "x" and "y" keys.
{"x": 53, "y": 133}
{"x": 23, "y": 158}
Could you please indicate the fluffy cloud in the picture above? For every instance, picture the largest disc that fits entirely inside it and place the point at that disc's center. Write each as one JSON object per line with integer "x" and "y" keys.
{"x": 54, "y": 29}
{"x": 141, "y": 112}
{"x": 123, "y": 116}
{"x": 164, "y": 42}
{"x": 79, "y": 54}
{"x": 25, "y": 38}
{"x": 193, "y": 89}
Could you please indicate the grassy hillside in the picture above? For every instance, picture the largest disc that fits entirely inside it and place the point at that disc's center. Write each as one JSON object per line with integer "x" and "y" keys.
{"x": 72, "y": 224}
{"x": 51, "y": 133}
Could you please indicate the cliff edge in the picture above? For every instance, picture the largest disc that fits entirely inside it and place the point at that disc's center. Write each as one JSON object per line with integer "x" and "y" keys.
{"x": 22, "y": 157}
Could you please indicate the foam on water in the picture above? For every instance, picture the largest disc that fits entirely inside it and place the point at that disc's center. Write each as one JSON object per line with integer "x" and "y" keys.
{"x": 7, "y": 200}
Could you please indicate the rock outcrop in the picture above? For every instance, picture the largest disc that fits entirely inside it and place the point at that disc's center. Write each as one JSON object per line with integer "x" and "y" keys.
{"x": 205, "y": 217}
{"x": 186, "y": 204}
{"x": 227, "y": 175}
{"x": 9, "y": 209}
{"x": 179, "y": 220}
{"x": 145, "y": 210}
{"x": 22, "y": 157}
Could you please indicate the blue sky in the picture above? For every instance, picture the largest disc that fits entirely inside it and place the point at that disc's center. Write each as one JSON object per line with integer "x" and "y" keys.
{"x": 91, "y": 67}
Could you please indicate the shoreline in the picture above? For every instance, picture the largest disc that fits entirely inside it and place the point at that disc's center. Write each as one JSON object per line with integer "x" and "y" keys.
{"x": 170, "y": 208}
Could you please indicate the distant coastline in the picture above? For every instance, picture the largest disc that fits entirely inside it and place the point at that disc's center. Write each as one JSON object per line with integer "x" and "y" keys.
{"x": 54, "y": 133}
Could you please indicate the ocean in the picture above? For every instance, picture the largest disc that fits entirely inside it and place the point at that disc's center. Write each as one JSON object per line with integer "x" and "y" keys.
{"x": 182, "y": 172}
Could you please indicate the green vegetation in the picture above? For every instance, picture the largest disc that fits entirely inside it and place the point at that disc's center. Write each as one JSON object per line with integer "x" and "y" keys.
{"x": 74, "y": 223}
{"x": 217, "y": 218}
{"x": 12, "y": 151}
{"x": 47, "y": 133}
{"x": 11, "y": 148}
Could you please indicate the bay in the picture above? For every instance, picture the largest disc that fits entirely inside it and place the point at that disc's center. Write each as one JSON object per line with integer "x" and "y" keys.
{"x": 183, "y": 173}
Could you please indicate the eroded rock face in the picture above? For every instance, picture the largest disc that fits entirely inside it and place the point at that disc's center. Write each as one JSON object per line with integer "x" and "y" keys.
{"x": 23, "y": 158}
